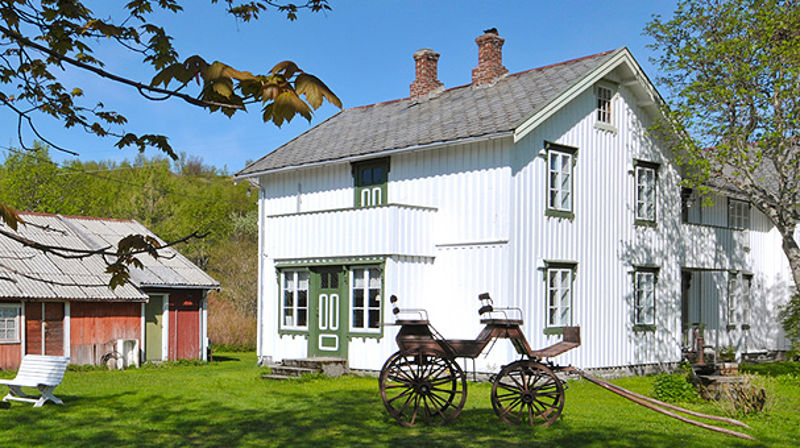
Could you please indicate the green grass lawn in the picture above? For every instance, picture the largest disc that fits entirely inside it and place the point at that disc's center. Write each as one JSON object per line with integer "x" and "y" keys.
{"x": 226, "y": 403}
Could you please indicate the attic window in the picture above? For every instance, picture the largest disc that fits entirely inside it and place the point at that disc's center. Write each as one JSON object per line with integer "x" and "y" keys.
{"x": 603, "y": 105}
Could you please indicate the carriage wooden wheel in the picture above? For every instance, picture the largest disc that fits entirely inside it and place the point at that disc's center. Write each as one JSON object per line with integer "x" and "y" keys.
{"x": 527, "y": 392}
{"x": 422, "y": 386}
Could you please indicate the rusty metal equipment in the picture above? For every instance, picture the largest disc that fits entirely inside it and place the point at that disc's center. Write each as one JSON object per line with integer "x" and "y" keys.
{"x": 422, "y": 382}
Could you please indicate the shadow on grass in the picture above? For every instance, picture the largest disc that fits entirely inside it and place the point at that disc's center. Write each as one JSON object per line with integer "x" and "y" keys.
{"x": 217, "y": 358}
{"x": 305, "y": 415}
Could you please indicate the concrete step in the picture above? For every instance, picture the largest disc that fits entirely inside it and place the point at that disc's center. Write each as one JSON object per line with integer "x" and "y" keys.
{"x": 314, "y": 363}
{"x": 292, "y": 371}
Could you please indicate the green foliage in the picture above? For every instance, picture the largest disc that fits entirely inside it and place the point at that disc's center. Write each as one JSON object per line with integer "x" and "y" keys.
{"x": 730, "y": 68}
{"x": 673, "y": 388}
{"x": 772, "y": 368}
{"x": 790, "y": 320}
{"x": 40, "y": 38}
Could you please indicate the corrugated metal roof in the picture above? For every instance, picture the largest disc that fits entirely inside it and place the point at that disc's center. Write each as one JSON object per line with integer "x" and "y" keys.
{"x": 27, "y": 273}
{"x": 457, "y": 113}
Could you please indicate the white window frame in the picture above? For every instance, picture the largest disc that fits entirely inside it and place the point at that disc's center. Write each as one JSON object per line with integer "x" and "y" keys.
{"x": 644, "y": 296}
{"x": 565, "y": 159}
{"x": 295, "y": 302}
{"x": 17, "y": 320}
{"x": 734, "y": 316}
{"x": 643, "y": 202}
{"x": 738, "y": 214}
{"x": 555, "y": 292}
{"x": 365, "y": 308}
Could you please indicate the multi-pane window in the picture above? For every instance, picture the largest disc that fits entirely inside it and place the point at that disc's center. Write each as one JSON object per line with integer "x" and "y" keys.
{"x": 739, "y": 297}
{"x": 371, "y": 178}
{"x": 559, "y": 180}
{"x": 559, "y": 295}
{"x": 9, "y": 323}
{"x": 294, "y": 286}
{"x": 604, "y": 104}
{"x": 646, "y": 176}
{"x": 366, "y": 297}
{"x": 738, "y": 214}
{"x": 644, "y": 296}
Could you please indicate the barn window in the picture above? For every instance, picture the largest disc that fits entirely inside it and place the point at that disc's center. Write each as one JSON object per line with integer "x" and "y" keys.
{"x": 366, "y": 296}
{"x": 559, "y": 284}
{"x": 560, "y": 180}
{"x": 644, "y": 298}
{"x": 9, "y": 323}
{"x": 738, "y": 214}
{"x": 603, "y": 104}
{"x": 294, "y": 306}
{"x": 371, "y": 180}
{"x": 646, "y": 183}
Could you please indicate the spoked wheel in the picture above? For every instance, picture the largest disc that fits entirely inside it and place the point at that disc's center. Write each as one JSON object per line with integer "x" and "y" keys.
{"x": 422, "y": 387}
{"x": 527, "y": 392}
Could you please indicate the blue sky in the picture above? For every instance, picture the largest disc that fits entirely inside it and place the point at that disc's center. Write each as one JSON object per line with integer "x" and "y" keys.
{"x": 362, "y": 49}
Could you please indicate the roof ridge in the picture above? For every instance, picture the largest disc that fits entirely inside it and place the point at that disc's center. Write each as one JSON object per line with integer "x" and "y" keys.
{"x": 535, "y": 69}
{"x": 56, "y": 215}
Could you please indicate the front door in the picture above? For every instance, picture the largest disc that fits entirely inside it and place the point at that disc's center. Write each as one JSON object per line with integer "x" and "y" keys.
{"x": 154, "y": 328}
{"x": 44, "y": 328}
{"x": 327, "y": 334}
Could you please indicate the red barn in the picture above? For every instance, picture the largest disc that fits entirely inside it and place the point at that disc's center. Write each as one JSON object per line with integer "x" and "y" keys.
{"x": 59, "y": 306}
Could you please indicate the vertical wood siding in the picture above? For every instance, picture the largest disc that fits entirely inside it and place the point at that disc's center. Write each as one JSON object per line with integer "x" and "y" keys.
{"x": 489, "y": 233}
{"x": 10, "y": 356}
{"x": 95, "y": 328}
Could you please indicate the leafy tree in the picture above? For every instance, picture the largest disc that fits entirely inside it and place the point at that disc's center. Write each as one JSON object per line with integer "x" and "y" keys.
{"x": 38, "y": 39}
{"x": 732, "y": 69}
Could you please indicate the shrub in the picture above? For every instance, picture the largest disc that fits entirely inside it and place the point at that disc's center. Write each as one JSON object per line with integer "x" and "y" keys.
{"x": 674, "y": 388}
{"x": 772, "y": 368}
{"x": 228, "y": 327}
{"x": 790, "y": 320}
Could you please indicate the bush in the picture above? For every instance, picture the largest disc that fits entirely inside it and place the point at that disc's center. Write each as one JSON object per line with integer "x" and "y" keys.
{"x": 790, "y": 320}
{"x": 673, "y": 388}
{"x": 772, "y": 368}
{"x": 228, "y": 328}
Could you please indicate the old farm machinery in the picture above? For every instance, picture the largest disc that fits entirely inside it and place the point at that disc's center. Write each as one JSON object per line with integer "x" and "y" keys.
{"x": 423, "y": 382}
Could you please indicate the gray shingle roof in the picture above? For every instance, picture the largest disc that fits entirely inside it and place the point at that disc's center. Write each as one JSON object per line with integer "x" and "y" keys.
{"x": 457, "y": 113}
{"x": 22, "y": 268}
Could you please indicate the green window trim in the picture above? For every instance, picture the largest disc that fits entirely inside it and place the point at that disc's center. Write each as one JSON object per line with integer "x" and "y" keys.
{"x": 559, "y": 214}
{"x": 551, "y": 331}
{"x": 644, "y": 327}
{"x": 564, "y": 157}
{"x": 554, "y": 288}
{"x": 371, "y": 179}
{"x": 645, "y": 223}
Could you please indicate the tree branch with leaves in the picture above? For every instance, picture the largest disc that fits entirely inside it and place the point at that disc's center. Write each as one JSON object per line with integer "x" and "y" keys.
{"x": 732, "y": 70}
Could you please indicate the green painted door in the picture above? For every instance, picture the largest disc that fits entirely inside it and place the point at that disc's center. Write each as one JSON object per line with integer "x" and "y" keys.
{"x": 153, "y": 328}
{"x": 327, "y": 330}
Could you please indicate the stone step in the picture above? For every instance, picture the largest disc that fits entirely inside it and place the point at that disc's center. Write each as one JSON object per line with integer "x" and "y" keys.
{"x": 292, "y": 371}
{"x": 314, "y": 363}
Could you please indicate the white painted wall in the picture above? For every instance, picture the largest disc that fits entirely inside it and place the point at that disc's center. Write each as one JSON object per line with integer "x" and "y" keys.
{"x": 485, "y": 230}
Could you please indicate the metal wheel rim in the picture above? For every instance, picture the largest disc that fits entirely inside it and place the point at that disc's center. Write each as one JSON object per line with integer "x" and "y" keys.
{"x": 527, "y": 392}
{"x": 422, "y": 387}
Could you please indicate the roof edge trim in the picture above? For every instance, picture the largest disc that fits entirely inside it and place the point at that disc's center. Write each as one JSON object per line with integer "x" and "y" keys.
{"x": 622, "y": 55}
{"x": 372, "y": 155}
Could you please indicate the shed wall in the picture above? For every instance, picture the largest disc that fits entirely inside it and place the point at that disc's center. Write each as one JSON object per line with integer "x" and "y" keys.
{"x": 95, "y": 328}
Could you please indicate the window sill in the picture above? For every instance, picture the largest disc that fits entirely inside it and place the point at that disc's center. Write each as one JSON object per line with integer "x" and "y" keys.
{"x": 731, "y": 327}
{"x": 551, "y": 331}
{"x": 293, "y": 332}
{"x": 645, "y": 223}
{"x": 353, "y": 334}
{"x": 559, "y": 214}
{"x": 10, "y": 342}
{"x": 644, "y": 327}
{"x": 605, "y": 127}
{"x": 745, "y": 327}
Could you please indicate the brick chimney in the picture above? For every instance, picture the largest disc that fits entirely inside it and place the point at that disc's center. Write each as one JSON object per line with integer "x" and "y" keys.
{"x": 490, "y": 59}
{"x": 425, "y": 62}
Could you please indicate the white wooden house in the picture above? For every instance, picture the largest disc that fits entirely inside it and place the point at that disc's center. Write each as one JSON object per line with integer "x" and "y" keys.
{"x": 543, "y": 188}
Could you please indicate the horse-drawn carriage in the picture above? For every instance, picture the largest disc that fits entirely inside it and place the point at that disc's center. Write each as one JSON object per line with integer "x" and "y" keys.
{"x": 423, "y": 381}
